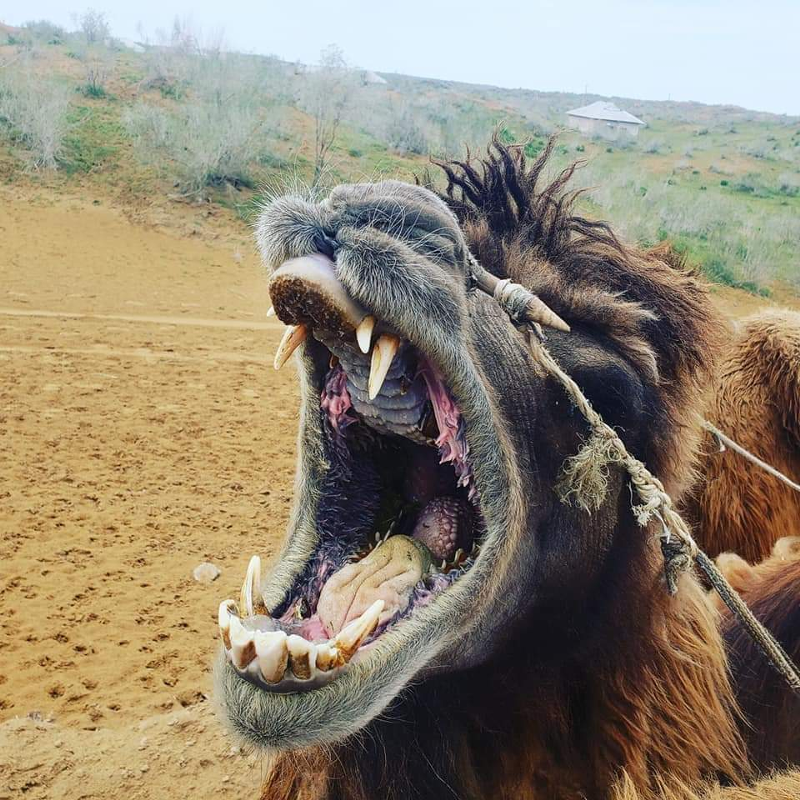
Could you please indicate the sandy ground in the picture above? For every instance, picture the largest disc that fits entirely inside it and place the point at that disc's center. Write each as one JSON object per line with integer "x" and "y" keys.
{"x": 142, "y": 431}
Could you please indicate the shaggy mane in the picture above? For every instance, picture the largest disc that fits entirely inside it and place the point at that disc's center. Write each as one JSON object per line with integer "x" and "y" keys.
{"x": 645, "y": 303}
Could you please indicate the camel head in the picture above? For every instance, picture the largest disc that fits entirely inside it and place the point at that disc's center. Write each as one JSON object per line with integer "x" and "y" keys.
{"x": 429, "y": 536}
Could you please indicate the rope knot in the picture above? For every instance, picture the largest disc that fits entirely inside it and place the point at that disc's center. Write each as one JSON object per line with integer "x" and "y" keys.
{"x": 513, "y": 299}
{"x": 676, "y": 560}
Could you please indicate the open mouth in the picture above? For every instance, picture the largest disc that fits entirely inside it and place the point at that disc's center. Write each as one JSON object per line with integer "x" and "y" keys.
{"x": 398, "y": 520}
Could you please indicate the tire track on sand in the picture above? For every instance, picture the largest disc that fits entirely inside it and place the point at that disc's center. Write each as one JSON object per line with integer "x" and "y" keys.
{"x": 233, "y": 324}
{"x": 143, "y": 353}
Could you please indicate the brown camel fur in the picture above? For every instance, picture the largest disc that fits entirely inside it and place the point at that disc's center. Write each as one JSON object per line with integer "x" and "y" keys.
{"x": 737, "y": 506}
{"x": 778, "y": 787}
{"x": 771, "y": 589}
{"x": 662, "y": 707}
{"x": 599, "y": 676}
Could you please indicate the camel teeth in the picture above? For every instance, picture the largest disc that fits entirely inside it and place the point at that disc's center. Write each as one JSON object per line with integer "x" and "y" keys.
{"x": 251, "y": 602}
{"x": 459, "y": 554}
{"x": 364, "y": 333}
{"x": 227, "y": 609}
{"x": 302, "y": 657}
{"x": 328, "y": 657}
{"x": 271, "y": 311}
{"x": 273, "y": 654}
{"x": 353, "y": 635}
{"x": 243, "y": 648}
{"x": 293, "y": 337}
{"x": 382, "y": 356}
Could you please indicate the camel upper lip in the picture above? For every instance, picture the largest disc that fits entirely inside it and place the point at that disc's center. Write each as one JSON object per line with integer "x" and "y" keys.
{"x": 290, "y": 650}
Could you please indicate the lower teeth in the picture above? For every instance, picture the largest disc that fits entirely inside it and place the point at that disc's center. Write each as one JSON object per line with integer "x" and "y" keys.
{"x": 270, "y": 656}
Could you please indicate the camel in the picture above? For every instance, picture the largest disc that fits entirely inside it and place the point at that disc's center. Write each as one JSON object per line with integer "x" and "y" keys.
{"x": 737, "y": 506}
{"x": 440, "y": 623}
{"x": 770, "y": 589}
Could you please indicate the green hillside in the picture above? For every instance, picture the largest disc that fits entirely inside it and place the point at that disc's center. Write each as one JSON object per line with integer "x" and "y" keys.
{"x": 201, "y": 125}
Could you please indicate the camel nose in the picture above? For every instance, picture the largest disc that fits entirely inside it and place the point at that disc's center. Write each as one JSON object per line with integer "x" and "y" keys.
{"x": 306, "y": 291}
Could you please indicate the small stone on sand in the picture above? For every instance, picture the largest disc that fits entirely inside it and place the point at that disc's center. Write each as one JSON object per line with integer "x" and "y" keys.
{"x": 206, "y": 573}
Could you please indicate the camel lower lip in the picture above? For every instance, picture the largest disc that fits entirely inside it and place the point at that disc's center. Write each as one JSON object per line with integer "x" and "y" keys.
{"x": 415, "y": 528}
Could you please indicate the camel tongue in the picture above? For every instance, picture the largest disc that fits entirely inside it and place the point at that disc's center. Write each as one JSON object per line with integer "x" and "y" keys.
{"x": 389, "y": 573}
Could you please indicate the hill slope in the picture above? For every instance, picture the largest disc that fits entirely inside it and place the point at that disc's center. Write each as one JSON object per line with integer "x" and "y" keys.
{"x": 720, "y": 181}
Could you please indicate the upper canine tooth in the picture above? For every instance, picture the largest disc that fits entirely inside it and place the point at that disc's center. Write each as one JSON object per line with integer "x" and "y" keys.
{"x": 293, "y": 337}
{"x": 273, "y": 654}
{"x": 382, "y": 356}
{"x": 271, "y": 311}
{"x": 250, "y": 600}
{"x": 364, "y": 333}
{"x": 243, "y": 648}
{"x": 352, "y": 636}
{"x": 227, "y": 608}
{"x": 302, "y": 657}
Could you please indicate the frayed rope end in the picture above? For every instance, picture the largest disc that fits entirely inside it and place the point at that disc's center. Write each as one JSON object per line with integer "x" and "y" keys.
{"x": 583, "y": 482}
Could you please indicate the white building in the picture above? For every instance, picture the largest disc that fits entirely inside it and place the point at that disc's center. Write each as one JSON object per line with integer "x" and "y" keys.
{"x": 604, "y": 119}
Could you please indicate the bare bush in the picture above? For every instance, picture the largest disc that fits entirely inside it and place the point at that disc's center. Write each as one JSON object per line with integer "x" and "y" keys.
{"x": 169, "y": 58}
{"x": 34, "y": 111}
{"x": 94, "y": 26}
{"x": 326, "y": 94}
{"x": 404, "y": 132}
{"x": 654, "y": 146}
{"x": 207, "y": 144}
{"x": 215, "y": 134}
{"x": 98, "y": 64}
{"x": 226, "y": 105}
{"x": 44, "y": 32}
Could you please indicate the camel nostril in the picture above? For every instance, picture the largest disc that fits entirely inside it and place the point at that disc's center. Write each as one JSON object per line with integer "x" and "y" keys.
{"x": 327, "y": 245}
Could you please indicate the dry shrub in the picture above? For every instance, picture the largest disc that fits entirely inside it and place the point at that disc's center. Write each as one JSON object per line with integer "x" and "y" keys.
{"x": 34, "y": 112}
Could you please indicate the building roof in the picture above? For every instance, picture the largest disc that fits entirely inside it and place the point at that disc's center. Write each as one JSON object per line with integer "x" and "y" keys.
{"x": 368, "y": 76}
{"x": 602, "y": 109}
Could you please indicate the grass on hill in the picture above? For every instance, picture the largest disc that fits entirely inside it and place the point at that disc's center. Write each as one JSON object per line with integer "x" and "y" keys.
{"x": 722, "y": 183}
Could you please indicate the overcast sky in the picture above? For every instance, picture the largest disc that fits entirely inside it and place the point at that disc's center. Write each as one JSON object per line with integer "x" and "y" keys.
{"x": 725, "y": 51}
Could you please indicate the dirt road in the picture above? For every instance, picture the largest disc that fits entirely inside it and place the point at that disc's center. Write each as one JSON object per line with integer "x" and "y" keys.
{"x": 143, "y": 431}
